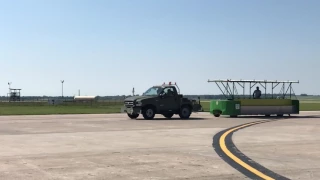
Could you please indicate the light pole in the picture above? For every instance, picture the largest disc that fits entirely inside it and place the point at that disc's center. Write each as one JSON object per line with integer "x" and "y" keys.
{"x": 9, "y": 83}
{"x": 62, "y": 81}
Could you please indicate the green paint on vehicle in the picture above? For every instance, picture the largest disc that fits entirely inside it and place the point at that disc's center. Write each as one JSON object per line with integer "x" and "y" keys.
{"x": 254, "y": 107}
{"x": 225, "y": 107}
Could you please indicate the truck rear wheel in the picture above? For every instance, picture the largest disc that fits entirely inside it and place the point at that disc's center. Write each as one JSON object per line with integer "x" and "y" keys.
{"x": 148, "y": 112}
{"x": 133, "y": 116}
{"x": 185, "y": 112}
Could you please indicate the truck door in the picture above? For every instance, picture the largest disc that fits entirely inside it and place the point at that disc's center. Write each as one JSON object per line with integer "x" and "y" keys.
{"x": 169, "y": 101}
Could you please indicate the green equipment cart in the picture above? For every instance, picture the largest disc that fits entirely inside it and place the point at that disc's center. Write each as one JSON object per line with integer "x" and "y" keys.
{"x": 259, "y": 103}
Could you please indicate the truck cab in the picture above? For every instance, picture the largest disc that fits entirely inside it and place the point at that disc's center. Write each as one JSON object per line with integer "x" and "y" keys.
{"x": 162, "y": 99}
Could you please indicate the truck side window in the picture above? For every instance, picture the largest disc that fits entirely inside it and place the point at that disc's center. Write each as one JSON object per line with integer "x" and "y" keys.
{"x": 169, "y": 91}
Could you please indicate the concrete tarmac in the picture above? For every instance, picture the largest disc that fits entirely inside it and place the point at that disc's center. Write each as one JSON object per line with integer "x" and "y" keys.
{"x": 112, "y": 146}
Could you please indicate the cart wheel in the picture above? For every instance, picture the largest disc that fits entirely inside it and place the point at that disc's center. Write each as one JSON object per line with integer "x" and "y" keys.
{"x": 217, "y": 115}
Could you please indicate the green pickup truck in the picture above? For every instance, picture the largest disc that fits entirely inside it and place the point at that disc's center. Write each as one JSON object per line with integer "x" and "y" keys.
{"x": 162, "y": 99}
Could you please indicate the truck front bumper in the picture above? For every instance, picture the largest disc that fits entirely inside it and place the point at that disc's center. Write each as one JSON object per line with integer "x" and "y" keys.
{"x": 132, "y": 110}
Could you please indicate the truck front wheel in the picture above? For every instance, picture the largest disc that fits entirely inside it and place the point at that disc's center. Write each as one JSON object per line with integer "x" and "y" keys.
{"x": 148, "y": 112}
{"x": 133, "y": 116}
{"x": 185, "y": 112}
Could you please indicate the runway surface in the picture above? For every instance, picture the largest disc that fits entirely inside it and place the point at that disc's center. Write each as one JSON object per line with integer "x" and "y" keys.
{"x": 114, "y": 147}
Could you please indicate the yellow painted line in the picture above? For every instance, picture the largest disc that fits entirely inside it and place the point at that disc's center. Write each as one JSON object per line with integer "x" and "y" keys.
{"x": 237, "y": 160}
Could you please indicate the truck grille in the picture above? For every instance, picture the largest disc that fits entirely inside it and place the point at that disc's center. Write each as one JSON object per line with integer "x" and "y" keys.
{"x": 128, "y": 103}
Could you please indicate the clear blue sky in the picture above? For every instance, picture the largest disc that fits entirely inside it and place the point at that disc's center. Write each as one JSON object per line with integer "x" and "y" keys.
{"x": 107, "y": 47}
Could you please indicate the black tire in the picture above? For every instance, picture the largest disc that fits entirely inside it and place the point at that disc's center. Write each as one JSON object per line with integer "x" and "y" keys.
{"x": 185, "y": 112}
{"x": 133, "y": 116}
{"x": 280, "y": 115}
{"x": 148, "y": 113}
{"x": 168, "y": 115}
{"x": 216, "y": 115}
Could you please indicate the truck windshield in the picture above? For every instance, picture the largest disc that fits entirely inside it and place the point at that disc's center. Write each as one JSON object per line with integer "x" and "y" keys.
{"x": 153, "y": 91}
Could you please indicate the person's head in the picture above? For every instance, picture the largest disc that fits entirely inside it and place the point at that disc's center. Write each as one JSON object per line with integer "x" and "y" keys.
{"x": 257, "y": 87}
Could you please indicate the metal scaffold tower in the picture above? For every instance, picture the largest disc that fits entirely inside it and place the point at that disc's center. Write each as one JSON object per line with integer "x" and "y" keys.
{"x": 230, "y": 91}
{"x": 14, "y": 94}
